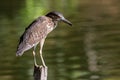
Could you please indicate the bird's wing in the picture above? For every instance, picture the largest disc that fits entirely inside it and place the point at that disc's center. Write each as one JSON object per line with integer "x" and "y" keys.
{"x": 36, "y": 31}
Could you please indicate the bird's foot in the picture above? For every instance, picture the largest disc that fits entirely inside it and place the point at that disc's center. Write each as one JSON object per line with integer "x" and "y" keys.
{"x": 35, "y": 64}
{"x": 44, "y": 65}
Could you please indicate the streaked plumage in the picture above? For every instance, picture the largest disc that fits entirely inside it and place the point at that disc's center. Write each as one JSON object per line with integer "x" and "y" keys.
{"x": 37, "y": 31}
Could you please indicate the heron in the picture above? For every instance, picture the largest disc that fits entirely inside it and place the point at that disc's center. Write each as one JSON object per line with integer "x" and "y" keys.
{"x": 37, "y": 32}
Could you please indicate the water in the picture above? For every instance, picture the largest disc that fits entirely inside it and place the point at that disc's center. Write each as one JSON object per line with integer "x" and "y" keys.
{"x": 89, "y": 50}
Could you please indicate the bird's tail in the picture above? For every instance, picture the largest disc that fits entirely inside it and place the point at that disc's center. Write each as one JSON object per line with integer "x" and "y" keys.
{"x": 22, "y": 48}
{"x": 19, "y": 53}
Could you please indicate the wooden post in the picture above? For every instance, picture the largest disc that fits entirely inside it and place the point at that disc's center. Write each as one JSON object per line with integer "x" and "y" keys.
{"x": 40, "y": 72}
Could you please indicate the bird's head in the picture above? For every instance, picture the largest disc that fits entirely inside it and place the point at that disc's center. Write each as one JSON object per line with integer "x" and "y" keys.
{"x": 56, "y": 16}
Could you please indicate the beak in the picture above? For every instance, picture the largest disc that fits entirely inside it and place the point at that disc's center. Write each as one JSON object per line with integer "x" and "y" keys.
{"x": 66, "y": 21}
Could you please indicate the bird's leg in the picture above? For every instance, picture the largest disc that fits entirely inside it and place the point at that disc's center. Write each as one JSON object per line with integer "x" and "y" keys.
{"x": 35, "y": 63}
{"x": 41, "y": 46}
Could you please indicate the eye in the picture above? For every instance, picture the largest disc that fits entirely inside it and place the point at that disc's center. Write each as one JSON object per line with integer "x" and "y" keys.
{"x": 56, "y": 17}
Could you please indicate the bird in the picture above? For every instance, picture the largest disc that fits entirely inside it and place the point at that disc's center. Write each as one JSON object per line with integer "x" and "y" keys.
{"x": 37, "y": 32}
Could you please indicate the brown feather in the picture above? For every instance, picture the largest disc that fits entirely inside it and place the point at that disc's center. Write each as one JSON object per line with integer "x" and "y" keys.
{"x": 34, "y": 33}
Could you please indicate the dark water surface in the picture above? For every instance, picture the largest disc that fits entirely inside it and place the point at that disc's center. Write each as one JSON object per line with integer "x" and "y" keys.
{"x": 89, "y": 50}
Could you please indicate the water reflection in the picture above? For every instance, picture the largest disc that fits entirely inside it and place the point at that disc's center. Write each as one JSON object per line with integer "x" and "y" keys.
{"x": 88, "y": 50}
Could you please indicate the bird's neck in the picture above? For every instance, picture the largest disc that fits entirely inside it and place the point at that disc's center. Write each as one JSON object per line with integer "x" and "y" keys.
{"x": 55, "y": 23}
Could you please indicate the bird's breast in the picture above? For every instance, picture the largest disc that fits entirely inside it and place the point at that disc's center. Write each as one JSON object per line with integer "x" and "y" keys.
{"x": 50, "y": 27}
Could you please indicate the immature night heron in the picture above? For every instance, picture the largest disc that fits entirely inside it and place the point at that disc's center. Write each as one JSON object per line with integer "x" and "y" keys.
{"x": 37, "y": 31}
